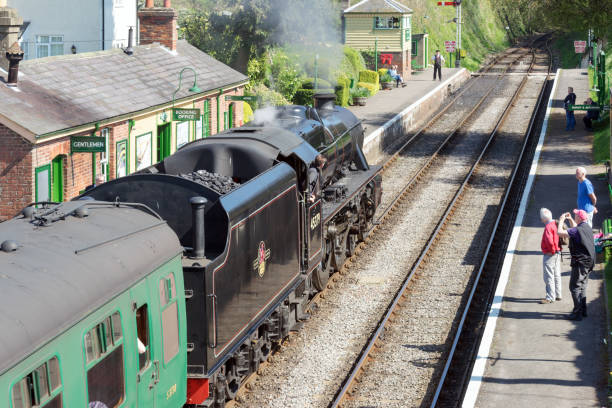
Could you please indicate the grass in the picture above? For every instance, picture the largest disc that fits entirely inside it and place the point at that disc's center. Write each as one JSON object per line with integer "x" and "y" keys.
{"x": 601, "y": 140}
{"x": 608, "y": 283}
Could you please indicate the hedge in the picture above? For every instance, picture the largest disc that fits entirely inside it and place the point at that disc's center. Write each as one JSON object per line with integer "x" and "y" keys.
{"x": 353, "y": 62}
{"x": 342, "y": 91}
{"x": 248, "y": 113}
{"x": 382, "y": 71}
{"x": 368, "y": 76}
{"x": 308, "y": 83}
{"x": 304, "y": 96}
{"x": 373, "y": 88}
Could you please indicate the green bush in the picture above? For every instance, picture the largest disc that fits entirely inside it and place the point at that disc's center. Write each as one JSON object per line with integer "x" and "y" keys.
{"x": 369, "y": 58}
{"x": 342, "y": 91}
{"x": 368, "y": 76}
{"x": 372, "y": 88}
{"x": 267, "y": 97}
{"x": 360, "y": 92}
{"x": 352, "y": 63}
{"x": 382, "y": 72}
{"x": 308, "y": 83}
{"x": 304, "y": 96}
{"x": 386, "y": 78}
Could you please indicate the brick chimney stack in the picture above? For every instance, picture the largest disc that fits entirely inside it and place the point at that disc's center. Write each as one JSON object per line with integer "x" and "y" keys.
{"x": 158, "y": 24}
{"x": 10, "y": 23}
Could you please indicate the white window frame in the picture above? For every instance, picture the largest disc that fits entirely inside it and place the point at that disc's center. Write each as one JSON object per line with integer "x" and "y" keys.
{"x": 104, "y": 155}
{"x": 48, "y": 44}
{"x": 388, "y": 21}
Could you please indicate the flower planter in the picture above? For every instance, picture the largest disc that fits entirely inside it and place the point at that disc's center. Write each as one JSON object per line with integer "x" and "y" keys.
{"x": 360, "y": 100}
{"x": 387, "y": 85}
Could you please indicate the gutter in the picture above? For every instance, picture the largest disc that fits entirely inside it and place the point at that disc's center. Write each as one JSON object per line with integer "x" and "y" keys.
{"x": 139, "y": 113}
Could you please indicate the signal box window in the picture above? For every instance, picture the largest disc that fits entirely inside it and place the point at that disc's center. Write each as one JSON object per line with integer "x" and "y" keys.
{"x": 386, "y": 23}
{"x": 40, "y": 388}
{"x": 142, "y": 327}
{"x": 104, "y": 355}
{"x": 169, "y": 316}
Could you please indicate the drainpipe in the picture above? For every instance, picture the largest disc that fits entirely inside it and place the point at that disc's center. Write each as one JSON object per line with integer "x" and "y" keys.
{"x": 103, "y": 24}
{"x": 219, "y": 111}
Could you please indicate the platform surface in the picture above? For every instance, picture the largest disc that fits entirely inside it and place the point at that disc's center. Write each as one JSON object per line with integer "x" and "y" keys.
{"x": 383, "y": 106}
{"x": 537, "y": 357}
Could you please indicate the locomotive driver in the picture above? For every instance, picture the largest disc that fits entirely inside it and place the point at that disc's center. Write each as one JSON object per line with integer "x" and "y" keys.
{"x": 314, "y": 176}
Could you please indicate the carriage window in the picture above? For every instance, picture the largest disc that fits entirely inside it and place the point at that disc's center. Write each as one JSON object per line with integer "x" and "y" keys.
{"x": 40, "y": 388}
{"x": 142, "y": 327}
{"x": 104, "y": 352}
{"x": 169, "y": 316}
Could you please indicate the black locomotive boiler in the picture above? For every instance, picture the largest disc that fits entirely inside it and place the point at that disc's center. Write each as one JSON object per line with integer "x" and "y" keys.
{"x": 257, "y": 246}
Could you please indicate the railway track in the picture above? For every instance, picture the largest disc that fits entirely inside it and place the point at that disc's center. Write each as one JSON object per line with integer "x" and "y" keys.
{"x": 453, "y": 381}
{"x": 374, "y": 342}
{"x": 461, "y": 107}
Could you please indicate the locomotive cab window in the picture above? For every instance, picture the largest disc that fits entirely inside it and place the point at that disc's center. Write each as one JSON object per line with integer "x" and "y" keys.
{"x": 40, "y": 388}
{"x": 319, "y": 139}
{"x": 104, "y": 362}
{"x": 169, "y": 317}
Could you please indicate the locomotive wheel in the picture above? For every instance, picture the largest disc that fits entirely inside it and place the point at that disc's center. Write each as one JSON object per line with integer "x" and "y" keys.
{"x": 320, "y": 277}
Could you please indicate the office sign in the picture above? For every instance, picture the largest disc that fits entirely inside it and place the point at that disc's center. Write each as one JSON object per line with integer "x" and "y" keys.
{"x": 450, "y": 46}
{"x": 182, "y": 114}
{"x": 87, "y": 144}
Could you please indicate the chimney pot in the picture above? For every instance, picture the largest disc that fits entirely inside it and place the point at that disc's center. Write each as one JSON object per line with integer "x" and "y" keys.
{"x": 167, "y": 4}
{"x": 14, "y": 55}
{"x": 148, "y": 4}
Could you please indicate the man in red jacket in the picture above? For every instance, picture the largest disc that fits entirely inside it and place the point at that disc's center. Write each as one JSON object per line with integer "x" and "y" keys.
{"x": 551, "y": 261}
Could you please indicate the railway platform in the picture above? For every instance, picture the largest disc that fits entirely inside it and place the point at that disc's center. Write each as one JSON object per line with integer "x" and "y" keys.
{"x": 389, "y": 115}
{"x": 530, "y": 354}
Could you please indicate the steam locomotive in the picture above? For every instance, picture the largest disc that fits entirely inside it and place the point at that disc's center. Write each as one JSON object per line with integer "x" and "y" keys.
{"x": 181, "y": 279}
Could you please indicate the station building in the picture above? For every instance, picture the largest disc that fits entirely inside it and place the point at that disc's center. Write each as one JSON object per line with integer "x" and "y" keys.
{"x": 383, "y": 26}
{"x": 67, "y": 122}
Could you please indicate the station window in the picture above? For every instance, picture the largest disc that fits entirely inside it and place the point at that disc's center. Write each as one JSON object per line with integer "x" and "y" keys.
{"x": 414, "y": 49}
{"x": 40, "y": 388}
{"x": 169, "y": 317}
{"x": 49, "y": 45}
{"x": 386, "y": 23}
{"x": 104, "y": 357}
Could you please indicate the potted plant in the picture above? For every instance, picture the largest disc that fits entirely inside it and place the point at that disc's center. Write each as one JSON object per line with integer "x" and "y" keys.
{"x": 359, "y": 96}
{"x": 386, "y": 81}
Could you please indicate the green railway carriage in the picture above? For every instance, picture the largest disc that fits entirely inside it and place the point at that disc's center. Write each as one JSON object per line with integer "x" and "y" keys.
{"x": 92, "y": 309}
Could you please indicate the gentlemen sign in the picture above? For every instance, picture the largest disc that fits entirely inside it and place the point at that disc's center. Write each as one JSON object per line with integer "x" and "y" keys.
{"x": 87, "y": 144}
{"x": 181, "y": 114}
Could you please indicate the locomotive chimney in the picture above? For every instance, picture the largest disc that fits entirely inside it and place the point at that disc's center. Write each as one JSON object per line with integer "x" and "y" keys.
{"x": 324, "y": 101}
{"x": 197, "y": 216}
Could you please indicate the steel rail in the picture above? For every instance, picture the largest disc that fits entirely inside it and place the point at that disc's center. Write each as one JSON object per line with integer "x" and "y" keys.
{"x": 440, "y": 148}
{"x": 359, "y": 365}
{"x": 492, "y": 237}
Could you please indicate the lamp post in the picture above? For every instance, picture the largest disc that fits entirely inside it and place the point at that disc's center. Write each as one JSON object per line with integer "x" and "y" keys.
{"x": 194, "y": 88}
{"x": 376, "y": 53}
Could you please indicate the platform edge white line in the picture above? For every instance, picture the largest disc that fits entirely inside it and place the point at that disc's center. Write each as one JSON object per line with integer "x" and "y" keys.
{"x": 370, "y": 138}
{"x": 478, "y": 370}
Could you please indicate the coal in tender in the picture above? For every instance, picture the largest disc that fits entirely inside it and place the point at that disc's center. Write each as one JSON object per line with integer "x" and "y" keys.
{"x": 216, "y": 182}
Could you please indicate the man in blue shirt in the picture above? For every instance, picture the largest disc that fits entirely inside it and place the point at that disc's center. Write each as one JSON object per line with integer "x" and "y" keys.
{"x": 586, "y": 195}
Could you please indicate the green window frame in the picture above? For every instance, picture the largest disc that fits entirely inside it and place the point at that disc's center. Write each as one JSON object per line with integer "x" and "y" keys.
{"x": 187, "y": 126}
{"x": 206, "y": 119}
{"x": 126, "y": 158}
{"x": 37, "y": 171}
{"x": 414, "y": 49}
{"x": 169, "y": 317}
{"x": 140, "y": 149}
{"x": 103, "y": 343}
{"x": 39, "y": 388}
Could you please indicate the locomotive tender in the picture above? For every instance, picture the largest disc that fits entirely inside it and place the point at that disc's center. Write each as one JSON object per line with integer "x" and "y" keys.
{"x": 256, "y": 245}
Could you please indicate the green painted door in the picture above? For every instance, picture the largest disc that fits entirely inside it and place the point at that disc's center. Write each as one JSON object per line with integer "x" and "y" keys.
{"x": 147, "y": 366}
{"x": 57, "y": 179}
{"x": 232, "y": 121}
{"x": 164, "y": 136}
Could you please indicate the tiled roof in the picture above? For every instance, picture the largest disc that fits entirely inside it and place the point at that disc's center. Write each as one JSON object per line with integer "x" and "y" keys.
{"x": 63, "y": 92}
{"x": 378, "y": 6}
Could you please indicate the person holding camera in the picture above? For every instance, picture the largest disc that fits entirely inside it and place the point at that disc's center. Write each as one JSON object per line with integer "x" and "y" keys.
{"x": 582, "y": 251}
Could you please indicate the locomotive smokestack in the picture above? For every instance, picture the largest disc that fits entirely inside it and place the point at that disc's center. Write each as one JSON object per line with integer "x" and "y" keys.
{"x": 324, "y": 101}
{"x": 197, "y": 210}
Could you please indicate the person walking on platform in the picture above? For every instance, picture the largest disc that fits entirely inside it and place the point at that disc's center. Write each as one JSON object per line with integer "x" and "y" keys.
{"x": 437, "y": 60}
{"x": 582, "y": 250}
{"x": 586, "y": 195}
{"x": 551, "y": 262}
{"x": 570, "y": 99}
